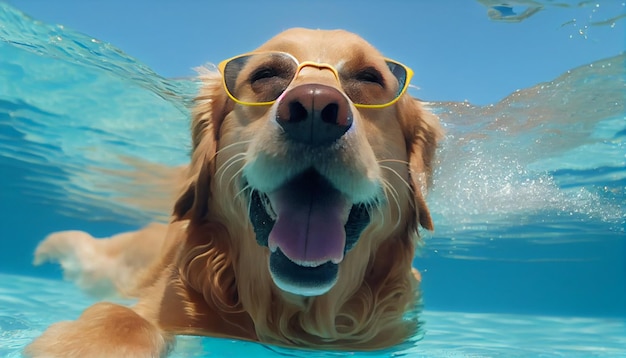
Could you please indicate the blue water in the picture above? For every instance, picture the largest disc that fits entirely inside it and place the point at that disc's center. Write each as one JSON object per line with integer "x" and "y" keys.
{"x": 529, "y": 197}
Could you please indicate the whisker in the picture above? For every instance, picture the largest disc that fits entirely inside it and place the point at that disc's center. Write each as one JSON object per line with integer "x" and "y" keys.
{"x": 395, "y": 172}
{"x": 228, "y": 164}
{"x": 379, "y": 207}
{"x": 393, "y": 161}
{"x": 246, "y": 187}
{"x": 233, "y": 178}
{"x": 393, "y": 192}
{"x": 399, "y": 177}
{"x": 231, "y": 161}
{"x": 242, "y": 142}
{"x": 394, "y": 195}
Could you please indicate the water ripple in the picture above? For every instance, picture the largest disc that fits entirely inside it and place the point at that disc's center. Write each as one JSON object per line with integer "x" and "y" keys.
{"x": 83, "y": 117}
{"x": 29, "y": 305}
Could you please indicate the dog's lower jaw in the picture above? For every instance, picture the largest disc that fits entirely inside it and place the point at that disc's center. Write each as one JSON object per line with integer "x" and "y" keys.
{"x": 289, "y": 276}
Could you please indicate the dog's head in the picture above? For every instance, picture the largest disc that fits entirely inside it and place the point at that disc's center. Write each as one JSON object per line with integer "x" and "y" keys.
{"x": 310, "y": 143}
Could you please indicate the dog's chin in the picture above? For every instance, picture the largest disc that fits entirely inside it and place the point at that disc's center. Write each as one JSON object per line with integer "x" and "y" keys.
{"x": 301, "y": 280}
{"x": 309, "y": 226}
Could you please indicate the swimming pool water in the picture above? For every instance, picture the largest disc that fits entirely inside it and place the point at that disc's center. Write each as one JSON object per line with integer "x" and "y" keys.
{"x": 529, "y": 198}
{"x": 448, "y": 334}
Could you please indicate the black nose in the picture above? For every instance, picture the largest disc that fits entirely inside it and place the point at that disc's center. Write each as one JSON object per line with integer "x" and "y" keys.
{"x": 314, "y": 114}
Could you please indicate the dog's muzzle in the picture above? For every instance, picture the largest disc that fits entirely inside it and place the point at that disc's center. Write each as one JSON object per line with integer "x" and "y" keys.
{"x": 307, "y": 223}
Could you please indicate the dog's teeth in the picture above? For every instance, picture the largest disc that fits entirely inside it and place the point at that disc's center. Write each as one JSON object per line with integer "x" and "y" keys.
{"x": 265, "y": 200}
{"x": 308, "y": 263}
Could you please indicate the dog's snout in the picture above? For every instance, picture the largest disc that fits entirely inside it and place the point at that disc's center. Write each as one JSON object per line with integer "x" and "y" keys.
{"x": 314, "y": 114}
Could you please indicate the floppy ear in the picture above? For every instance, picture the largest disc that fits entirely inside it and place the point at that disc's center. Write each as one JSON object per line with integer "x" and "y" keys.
{"x": 422, "y": 131}
{"x": 207, "y": 116}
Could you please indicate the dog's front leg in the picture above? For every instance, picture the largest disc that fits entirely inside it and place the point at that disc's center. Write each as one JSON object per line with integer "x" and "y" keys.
{"x": 103, "y": 330}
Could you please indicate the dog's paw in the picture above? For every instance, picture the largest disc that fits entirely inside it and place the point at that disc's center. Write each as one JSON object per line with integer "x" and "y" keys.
{"x": 103, "y": 330}
{"x": 66, "y": 248}
{"x": 82, "y": 259}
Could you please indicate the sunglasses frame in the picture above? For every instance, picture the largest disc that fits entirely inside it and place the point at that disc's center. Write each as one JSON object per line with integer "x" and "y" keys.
{"x": 222, "y": 66}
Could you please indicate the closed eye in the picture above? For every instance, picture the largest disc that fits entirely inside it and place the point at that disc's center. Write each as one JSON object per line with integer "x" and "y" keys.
{"x": 270, "y": 79}
{"x": 371, "y": 75}
{"x": 263, "y": 73}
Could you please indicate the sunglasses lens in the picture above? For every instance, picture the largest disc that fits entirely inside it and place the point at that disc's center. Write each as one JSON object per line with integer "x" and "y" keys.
{"x": 400, "y": 73}
{"x": 259, "y": 78}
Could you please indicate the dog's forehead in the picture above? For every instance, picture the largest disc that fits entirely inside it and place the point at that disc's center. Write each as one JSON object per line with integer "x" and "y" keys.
{"x": 325, "y": 46}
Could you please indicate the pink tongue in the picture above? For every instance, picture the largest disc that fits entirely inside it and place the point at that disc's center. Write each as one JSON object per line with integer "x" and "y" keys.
{"x": 311, "y": 215}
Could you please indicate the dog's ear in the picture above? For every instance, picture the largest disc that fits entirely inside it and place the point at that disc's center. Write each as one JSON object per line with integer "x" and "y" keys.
{"x": 207, "y": 116}
{"x": 193, "y": 202}
{"x": 422, "y": 131}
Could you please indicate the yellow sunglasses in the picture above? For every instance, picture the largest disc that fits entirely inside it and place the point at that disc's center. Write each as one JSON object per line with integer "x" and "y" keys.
{"x": 258, "y": 79}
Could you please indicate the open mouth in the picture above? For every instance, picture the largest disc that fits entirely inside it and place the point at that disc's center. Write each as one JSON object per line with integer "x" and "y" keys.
{"x": 308, "y": 225}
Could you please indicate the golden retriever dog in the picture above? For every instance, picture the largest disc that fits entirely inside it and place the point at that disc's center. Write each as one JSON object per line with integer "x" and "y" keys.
{"x": 297, "y": 221}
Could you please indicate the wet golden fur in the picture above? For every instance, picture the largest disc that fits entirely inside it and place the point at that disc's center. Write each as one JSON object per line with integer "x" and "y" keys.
{"x": 210, "y": 277}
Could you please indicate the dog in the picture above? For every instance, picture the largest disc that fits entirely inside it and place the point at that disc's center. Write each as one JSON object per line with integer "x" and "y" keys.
{"x": 297, "y": 220}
